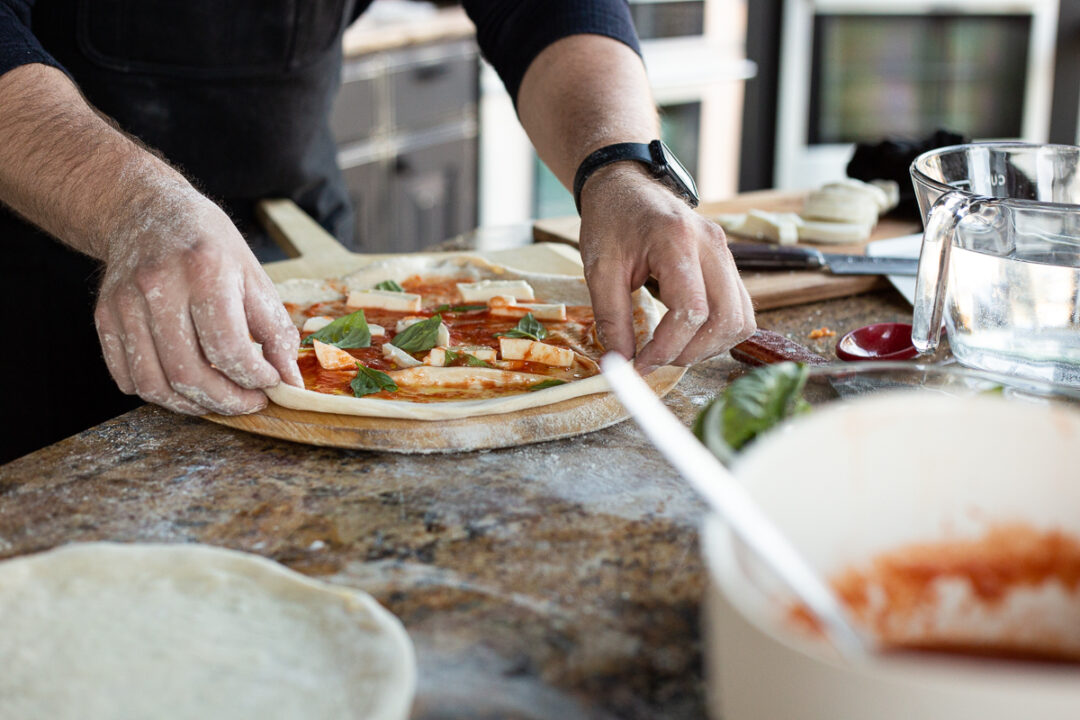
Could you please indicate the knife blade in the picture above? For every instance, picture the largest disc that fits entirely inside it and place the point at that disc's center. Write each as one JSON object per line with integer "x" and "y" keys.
{"x": 760, "y": 256}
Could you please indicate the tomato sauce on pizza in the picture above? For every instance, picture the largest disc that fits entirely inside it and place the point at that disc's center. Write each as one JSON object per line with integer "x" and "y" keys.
{"x": 483, "y": 344}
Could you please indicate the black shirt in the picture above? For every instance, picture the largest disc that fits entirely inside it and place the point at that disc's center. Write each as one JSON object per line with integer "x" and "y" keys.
{"x": 237, "y": 93}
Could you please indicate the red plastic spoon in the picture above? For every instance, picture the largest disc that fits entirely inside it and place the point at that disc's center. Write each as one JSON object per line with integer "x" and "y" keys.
{"x": 880, "y": 341}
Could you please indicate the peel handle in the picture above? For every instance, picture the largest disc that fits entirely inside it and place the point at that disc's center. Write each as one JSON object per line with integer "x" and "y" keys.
{"x": 760, "y": 256}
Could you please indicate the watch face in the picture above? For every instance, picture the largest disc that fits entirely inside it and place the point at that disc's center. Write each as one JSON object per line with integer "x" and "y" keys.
{"x": 682, "y": 178}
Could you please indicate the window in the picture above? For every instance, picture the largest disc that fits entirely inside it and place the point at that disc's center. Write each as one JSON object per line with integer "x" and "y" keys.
{"x": 876, "y": 76}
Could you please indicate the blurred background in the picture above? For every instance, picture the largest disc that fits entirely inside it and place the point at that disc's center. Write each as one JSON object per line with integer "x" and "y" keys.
{"x": 754, "y": 94}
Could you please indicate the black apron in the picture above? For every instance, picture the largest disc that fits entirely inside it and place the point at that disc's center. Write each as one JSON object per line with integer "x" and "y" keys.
{"x": 237, "y": 95}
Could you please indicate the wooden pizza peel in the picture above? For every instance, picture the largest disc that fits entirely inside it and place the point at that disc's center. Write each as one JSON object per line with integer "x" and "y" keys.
{"x": 773, "y": 289}
{"x": 314, "y": 253}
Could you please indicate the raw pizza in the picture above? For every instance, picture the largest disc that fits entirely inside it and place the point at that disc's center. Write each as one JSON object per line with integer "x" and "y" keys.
{"x": 436, "y": 337}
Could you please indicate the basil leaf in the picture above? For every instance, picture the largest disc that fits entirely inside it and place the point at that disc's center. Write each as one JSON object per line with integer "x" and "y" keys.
{"x": 350, "y": 331}
{"x": 709, "y": 429}
{"x": 459, "y": 308}
{"x": 368, "y": 381}
{"x": 420, "y": 336}
{"x": 527, "y": 327}
{"x": 750, "y": 406}
{"x": 473, "y": 361}
{"x": 546, "y": 384}
{"x": 390, "y": 285}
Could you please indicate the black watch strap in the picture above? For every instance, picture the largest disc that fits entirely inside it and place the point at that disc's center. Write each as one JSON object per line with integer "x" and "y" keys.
{"x": 605, "y": 156}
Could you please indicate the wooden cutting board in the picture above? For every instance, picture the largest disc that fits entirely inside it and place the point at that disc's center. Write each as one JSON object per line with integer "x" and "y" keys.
{"x": 316, "y": 254}
{"x": 776, "y": 288}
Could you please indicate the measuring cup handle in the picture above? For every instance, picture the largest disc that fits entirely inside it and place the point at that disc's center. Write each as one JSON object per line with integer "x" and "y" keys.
{"x": 941, "y": 224}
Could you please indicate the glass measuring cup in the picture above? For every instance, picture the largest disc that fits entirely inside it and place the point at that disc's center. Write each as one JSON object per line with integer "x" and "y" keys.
{"x": 1000, "y": 261}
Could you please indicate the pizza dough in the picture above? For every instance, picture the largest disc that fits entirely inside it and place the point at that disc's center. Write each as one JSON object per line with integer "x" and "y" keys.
{"x": 171, "y": 632}
{"x": 550, "y": 288}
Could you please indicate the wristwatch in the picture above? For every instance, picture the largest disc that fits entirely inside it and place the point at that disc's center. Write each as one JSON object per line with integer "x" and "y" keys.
{"x": 663, "y": 164}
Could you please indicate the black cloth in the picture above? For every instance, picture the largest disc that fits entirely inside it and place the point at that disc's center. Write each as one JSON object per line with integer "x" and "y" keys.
{"x": 238, "y": 95}
{"x": 53, "y": 380}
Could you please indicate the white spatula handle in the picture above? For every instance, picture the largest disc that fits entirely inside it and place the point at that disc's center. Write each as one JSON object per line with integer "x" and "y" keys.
{"x": 729, "y": 499}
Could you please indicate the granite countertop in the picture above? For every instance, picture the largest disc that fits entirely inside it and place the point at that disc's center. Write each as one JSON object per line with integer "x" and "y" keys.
{"x": 559, "y": 580}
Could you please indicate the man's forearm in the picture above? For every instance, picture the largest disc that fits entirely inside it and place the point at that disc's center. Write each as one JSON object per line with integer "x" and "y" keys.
{"x": 67, "y": 169}
{"x": 582, "y": 93}
{"x": 181, "y": 295}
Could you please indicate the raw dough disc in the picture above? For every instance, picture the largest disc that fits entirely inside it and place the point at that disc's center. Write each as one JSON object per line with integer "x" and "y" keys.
{"x": 173, "y": 632}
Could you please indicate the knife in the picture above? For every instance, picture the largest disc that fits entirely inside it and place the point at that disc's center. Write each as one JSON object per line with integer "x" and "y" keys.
{"x": 759, "y": 256}
{"x": 766, "y": 347}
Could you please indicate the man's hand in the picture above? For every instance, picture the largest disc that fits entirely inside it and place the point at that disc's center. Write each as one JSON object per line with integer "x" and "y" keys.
{"x": 633, "y": 227}
{"x": 179, "y": 304}
{"x": 580, "y": 94}
{"x": 182, "y": 295}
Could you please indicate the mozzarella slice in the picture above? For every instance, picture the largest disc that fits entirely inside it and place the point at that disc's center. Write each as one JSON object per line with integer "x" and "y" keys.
{"x": 480, "y": 352}
{"x": 384, "y": 300}
{"x": 781, "y": 228}
{"x": 314, "y": 324}
{"x": 376, "y": 329}
{"x": 399, "y": 357}
{"x": 875, "y": 193}
{"x": 331, "y": 357}
{"x": 486, "y": 289}
{"x": 437, "y": 355}
{"x": 406, "y": 322}
{"x": 504, "y": 306}
{"x": 833, "y": 232}
{"x": 841, "y": 205}
{"x": 463, "y": 377}
{"x": 731, "y": 222}
{"x": 891, "y": 188}
{"x": 538, "y": 352}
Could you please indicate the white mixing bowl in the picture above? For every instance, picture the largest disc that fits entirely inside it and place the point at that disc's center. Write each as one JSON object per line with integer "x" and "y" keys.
{"x": 853, "y": 480}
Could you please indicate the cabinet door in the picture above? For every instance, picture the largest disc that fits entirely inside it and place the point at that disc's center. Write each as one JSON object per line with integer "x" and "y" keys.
{"x": 355, "y": 115}
{"x": 433, "y": 193}
{"x": 369, "y": 191}
{"x": 433, "y": 85}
